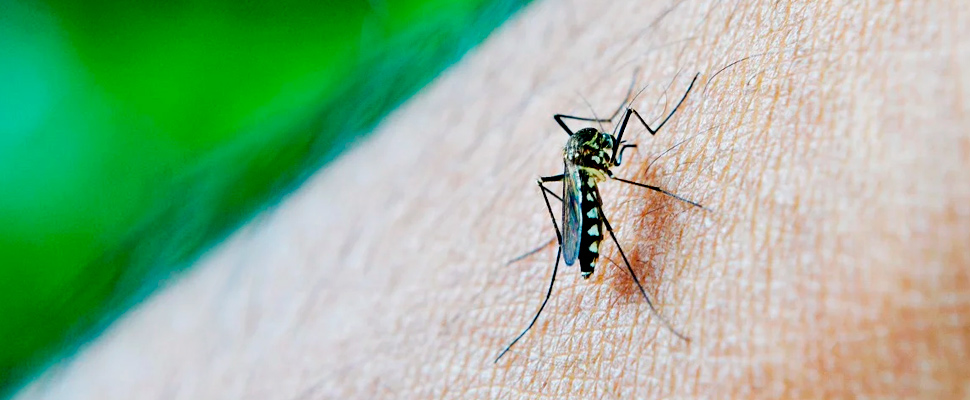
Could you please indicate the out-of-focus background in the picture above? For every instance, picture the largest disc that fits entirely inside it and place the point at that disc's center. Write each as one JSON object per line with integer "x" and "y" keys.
{"x": 133, "y": 136}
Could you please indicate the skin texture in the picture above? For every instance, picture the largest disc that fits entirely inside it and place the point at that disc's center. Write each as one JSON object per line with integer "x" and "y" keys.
{"x": 828, "y": 141}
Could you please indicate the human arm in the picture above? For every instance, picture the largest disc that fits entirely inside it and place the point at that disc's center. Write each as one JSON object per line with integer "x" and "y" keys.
{"x": 833, "y": 260}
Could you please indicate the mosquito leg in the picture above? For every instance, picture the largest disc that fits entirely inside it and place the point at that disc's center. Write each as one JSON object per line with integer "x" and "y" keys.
{"x": 552, "y": 194}
{"x": 536, "y": 318}
{"x": 637, "y": 281}
{"x": 553, "y": 178}
{"x": 653, "y": 131}
{"x": 657, "y": 189}
{"x": 530, "y": 252}
{"x": 545, "y": 191}
{"x": 559, "y": 119}
{"x": 619, "y": 156}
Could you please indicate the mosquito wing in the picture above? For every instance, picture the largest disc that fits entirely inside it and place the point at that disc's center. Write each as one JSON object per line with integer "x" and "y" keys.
{"x": 572, "y": 217}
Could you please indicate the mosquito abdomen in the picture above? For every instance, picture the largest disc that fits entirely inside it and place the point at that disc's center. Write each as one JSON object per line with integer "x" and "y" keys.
{"x": 592, "y": 227}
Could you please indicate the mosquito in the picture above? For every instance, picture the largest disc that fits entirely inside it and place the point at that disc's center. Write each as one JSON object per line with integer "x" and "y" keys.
{"x": 587, "y": 158}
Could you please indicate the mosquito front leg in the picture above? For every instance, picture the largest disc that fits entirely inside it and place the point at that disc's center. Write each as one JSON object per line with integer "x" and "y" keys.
{"x": 653, "y": 131}
{"x": 559, "y": 117}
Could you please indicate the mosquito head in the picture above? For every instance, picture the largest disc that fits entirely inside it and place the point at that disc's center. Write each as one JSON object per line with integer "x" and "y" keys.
{"x": 590, "y": 148}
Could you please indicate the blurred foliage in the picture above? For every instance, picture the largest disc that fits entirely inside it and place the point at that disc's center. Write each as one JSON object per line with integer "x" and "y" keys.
{"x": 134, "y": 135}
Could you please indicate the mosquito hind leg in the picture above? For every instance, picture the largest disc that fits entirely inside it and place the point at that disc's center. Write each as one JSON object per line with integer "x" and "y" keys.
{"x": 559, "y": 119}
{"x": 555, "y": 268}
{"x": 636, "y": 280}
{"x": 530, "y": 252}
{"x": 658, "y": 189}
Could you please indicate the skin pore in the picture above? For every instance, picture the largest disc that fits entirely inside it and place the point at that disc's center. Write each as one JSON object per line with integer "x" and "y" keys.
{"x": 829, "y": 143}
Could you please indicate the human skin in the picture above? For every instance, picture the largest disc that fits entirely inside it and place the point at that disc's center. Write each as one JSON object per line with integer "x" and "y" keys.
{"x": 831, "y": 260}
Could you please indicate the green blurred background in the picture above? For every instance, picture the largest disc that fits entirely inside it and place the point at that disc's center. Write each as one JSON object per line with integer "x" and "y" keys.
{"x": 134, "y": 136}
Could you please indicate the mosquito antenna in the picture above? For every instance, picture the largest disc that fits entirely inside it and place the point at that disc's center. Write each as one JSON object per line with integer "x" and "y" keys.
{"x": 629, "y": 90}
{"x": 667, "y": 90}
{"x": 595, "y": 117}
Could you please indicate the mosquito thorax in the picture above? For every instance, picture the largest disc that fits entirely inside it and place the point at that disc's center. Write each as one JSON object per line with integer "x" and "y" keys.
{"x": 590, "y": 149}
